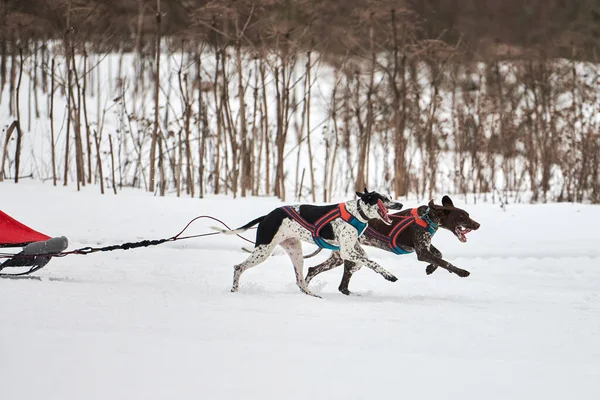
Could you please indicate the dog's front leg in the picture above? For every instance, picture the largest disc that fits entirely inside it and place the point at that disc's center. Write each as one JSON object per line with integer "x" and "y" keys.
{"x": 358, "y": 256}
{"x": 424, "y": 251}
{"x": 430, "y": 269}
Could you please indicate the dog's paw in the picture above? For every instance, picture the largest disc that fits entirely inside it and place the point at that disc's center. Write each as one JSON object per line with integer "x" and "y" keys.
{"x": 308, "y": 292}
{"x": 462, "y": 273}
{"x": 430, "y": 269}
{"x": 391, "y": 278}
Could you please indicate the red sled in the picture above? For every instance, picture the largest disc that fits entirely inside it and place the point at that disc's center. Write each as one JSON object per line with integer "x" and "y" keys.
{"x": 37, "y": 251}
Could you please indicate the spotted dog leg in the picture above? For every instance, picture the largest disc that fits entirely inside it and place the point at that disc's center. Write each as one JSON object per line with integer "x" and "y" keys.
{"x": 435, "y": 261}
{"x": 293, "y": 248}
{"x": 333, "y": 261}
{"x": 358, "y": 256}
{"x": 258, "y": 255}
{"x": 349, "y": 269}
{"x": 430, "y": 269}
{"x": 426, "y": 252}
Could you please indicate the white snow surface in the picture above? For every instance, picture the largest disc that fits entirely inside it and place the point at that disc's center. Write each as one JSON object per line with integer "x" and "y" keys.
{"x": 160, "y": 322}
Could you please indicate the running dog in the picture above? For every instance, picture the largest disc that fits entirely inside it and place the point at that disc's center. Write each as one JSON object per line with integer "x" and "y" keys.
{"x": 335, "y": 227}
{"x": 410, "y": 231}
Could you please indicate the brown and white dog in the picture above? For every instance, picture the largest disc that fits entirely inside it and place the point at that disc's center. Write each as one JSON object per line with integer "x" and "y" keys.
{"x": 411, "y": 231}
{"x": 335, "y": 227}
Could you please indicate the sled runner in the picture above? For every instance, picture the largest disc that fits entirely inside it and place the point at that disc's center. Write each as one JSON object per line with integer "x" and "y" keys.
{"x": 37, "y": 248}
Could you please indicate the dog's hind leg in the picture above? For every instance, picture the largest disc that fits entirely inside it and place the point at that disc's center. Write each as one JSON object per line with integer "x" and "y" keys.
{"x": 349, "y": 269}
{"x": 333, "y": 261}
{"x": 259, "y": 254}
{"x": 293, "y": 247}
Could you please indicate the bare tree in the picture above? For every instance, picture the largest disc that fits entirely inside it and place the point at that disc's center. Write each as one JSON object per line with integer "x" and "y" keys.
{"x": 156, "y": 100}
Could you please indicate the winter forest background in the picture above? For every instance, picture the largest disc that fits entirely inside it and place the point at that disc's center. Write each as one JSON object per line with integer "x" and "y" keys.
{"x": 304, "y": 99}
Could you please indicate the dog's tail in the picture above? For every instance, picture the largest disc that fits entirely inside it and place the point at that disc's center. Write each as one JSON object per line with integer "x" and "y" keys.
{"x": 314, "y": 253}
{"x": 241, "y": 228}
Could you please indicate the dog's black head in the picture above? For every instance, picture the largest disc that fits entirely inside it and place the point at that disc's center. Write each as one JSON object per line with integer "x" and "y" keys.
{"x": 376, "y": 205}
{"x": 452, "y": 218}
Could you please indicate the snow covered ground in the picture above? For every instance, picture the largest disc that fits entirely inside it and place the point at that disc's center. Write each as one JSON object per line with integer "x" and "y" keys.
{"x": 160, "y": 323}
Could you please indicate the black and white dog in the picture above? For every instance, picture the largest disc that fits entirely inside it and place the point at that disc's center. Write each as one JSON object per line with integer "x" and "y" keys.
{"x": 334, "y": 227}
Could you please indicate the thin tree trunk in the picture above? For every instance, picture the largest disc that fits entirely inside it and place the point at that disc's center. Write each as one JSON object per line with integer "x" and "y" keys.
{"x": 19, "y": 133}
{"x": 156, "y": 101}
{"x": 9, "y": 132}
{"x": 203, "y": 129}
{"x": 189, "y": 172}
{"x": 35, "y": 82}
{"x": 67, "y": 91}
{"x": 187, "y": 115}
{"x": 44, "y": 65}
{"x": 99, "y": 161}
{"x": 218, "y": 104}
{"x": 85, "y": 115}
{"x": 245, "y": 162}
{"x": 179, "y": 166}
{"x": 337, "y": 137}
{"x": 266, "y": 129}
{"x": 232, "y": 175}
{"x": 256, "y": 136}
{"x": 400, "y": 181}
{"x": 326, "y": 166}
{"x": 161, "y": 167}
{"x": 52, "y": 136}
{"x": 112, "y": 164}
{"x": 299, "y": 133}
{"x": 308, "y": 128}
{"x": 13, "y": 74}
{"x": 279, "y": 140}
{"x": 79, "y": 156}
{"x": 3, "y": 57}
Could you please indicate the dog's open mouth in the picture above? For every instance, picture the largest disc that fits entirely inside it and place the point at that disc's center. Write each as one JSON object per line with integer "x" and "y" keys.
{"x": 461, "y": 233}
{"x": 383, "y": 212}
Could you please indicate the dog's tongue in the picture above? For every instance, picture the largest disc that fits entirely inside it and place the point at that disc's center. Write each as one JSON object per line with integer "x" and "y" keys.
{"x": 462, "y": 234}
{"x": 383, "y": 212}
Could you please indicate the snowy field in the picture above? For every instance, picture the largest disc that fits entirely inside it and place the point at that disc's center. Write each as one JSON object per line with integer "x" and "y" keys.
{"x": 160, "y": 323}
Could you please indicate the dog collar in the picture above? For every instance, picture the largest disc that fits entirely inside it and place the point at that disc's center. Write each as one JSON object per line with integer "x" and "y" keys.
{"x": 424, "y": 220}
{"x": 361, "y": 212}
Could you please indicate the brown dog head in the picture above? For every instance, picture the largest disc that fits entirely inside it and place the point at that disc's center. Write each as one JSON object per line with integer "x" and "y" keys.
{"x": 452, "y": 218}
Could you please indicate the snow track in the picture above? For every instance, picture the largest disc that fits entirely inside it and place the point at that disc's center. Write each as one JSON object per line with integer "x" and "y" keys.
{"x": 160, "y": 323}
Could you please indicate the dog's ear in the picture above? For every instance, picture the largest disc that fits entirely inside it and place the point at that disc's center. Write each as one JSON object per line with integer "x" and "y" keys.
{"x": 434, "y": 206}
{"x": 360, "y": 195}
{"x": 366, "y": 190}
{"x": 447, "y": 202}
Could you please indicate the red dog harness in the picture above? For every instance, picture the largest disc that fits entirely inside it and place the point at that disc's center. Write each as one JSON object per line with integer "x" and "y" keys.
{"x": 407, "y": 220}
{"x": 339, "y": 212}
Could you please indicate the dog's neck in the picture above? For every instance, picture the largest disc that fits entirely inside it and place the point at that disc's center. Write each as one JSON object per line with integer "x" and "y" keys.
{"x": 355, "y": 209}
{"x": 430, "y": 215}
